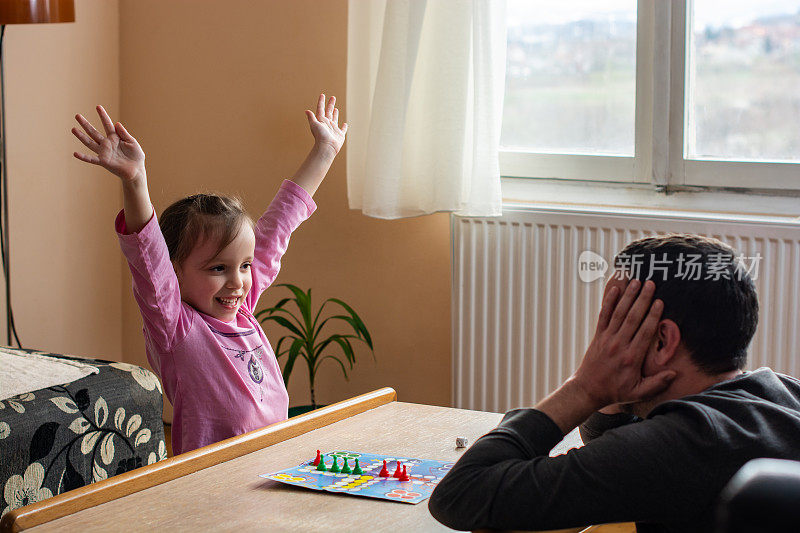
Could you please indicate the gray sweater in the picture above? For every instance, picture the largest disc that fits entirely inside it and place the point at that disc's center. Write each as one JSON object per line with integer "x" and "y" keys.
{"x": 664, "y": 472}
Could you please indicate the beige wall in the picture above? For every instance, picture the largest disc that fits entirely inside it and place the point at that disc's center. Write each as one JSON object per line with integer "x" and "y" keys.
{"x": 215, "y": 93}
{"x": 65, "y": 267}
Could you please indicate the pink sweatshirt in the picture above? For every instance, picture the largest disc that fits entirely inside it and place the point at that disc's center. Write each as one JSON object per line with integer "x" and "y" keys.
{"x": 221, "y": 377}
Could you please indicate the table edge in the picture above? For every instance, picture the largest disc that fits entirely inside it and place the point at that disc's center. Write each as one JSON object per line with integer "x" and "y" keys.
{"x": 143, "y": 478}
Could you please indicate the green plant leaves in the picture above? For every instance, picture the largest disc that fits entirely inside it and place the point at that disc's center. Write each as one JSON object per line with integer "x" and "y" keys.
{"x": 305, "y": 337}
{"x": 270, "y": 312}
{"x": 344, "y": 370}
{"x": 285, "y": 323}
{"x": 357, "y": 323}
{"x": 294, "y": 351}
{"x": 303, "y": 302}
{"x": 282, "y": 303}
{"x": 278, "y": 352}
{"x": 347, "y": 348}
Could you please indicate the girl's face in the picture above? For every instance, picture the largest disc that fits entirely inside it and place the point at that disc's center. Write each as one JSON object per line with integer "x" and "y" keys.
{"x": 217, "y": 285}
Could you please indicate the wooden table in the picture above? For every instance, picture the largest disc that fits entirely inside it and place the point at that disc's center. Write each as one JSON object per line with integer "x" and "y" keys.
{"x": 217, "y": 487}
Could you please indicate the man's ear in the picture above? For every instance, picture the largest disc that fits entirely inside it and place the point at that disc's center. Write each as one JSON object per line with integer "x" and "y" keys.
{"x": 667, "y": 340}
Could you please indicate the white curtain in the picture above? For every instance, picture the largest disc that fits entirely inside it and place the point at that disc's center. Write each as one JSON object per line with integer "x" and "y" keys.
{"x": 425, "y": 82}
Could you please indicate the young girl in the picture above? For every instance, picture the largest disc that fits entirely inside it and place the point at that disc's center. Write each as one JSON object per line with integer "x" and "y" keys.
{"x": 198, "y": 277}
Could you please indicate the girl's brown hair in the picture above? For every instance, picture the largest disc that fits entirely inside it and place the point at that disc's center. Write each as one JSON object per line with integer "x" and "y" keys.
{"x": 199, "y": 217}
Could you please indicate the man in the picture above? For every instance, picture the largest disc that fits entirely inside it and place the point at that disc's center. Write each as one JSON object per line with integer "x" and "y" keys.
{"x": 676, "y": 364}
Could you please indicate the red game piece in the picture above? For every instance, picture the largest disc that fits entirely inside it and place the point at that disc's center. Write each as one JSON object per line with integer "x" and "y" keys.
{"x": 384, "y": 471}
{"x": 316, "y": 461}
{"x": 404, "y": 475}
{"x": 398, "y": 472}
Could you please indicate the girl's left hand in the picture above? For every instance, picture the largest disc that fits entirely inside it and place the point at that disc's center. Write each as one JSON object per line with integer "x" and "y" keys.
{"x": 324, "y": 124}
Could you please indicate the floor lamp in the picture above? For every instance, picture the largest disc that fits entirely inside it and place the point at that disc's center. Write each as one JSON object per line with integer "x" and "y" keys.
{"x": 19, "y": 12}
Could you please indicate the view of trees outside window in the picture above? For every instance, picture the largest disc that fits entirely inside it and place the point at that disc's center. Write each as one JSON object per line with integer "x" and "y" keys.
{"x": 571, "y": 77}
{"x": 744, "y": 83}
{"x": 571, "y": 72}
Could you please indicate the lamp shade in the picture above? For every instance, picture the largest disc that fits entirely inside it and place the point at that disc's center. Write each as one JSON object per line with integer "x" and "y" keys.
{"x": 36, "y": 11}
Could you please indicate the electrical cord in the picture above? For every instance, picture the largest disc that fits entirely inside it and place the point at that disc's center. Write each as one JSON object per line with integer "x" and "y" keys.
{"x": 5, "y": 248}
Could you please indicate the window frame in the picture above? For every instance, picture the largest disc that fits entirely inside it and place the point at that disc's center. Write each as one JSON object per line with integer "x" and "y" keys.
{"x": 662, "y": 40}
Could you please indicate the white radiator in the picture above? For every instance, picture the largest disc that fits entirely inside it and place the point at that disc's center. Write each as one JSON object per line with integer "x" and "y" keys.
{"x": 522, "y": 317}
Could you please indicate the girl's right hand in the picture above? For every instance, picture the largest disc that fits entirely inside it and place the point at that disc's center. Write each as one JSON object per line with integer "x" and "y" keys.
{"x": 117, "y": 151}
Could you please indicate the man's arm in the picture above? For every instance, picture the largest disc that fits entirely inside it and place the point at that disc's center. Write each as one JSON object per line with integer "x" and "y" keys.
{"x": 602, "y": 421}
{"x": 635, "y": 473}
{"x": 510, "y": 464}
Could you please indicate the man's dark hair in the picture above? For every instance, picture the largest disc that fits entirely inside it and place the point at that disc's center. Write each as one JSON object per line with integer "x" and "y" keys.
{"x": 707, "y": 291}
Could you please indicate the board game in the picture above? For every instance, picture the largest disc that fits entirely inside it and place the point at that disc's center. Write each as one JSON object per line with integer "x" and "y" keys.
{"x": 400, "y": 479}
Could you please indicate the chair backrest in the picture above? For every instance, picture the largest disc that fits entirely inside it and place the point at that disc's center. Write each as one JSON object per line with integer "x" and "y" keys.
{"x": 763, "y": 496}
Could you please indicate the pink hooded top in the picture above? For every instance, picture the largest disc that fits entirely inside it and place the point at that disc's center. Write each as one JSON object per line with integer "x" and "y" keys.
{"x": 222, "y": 377}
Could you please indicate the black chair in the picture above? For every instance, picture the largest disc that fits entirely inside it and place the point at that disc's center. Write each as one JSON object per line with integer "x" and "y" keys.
{"x": 763, "y": 497}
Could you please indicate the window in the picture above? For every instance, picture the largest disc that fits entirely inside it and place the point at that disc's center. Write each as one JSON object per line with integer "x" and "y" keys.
{"x": 671, "y": 93}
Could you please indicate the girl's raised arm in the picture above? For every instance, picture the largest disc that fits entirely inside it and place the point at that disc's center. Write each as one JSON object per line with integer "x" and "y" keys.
{"x": 119, "y": 153}
{"x": 328, "y": 140}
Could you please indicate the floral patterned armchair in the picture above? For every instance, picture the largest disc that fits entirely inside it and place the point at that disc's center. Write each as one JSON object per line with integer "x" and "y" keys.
{"x": 60, "y": 438}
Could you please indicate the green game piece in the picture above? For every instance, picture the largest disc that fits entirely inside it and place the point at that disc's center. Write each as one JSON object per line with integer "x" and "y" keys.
{"x": 345, "y": 467}
{"x": 357, "y": 469}
{"x": 321, "y": 465}
{"x": 334, "y": 467}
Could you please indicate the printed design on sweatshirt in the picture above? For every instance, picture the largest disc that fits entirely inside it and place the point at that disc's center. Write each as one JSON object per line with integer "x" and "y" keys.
{"x": 254, "y": 369}
{"x": 235, "y": 334}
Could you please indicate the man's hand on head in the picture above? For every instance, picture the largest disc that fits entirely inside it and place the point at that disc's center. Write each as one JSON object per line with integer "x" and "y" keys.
{"x": 611, "y": 370}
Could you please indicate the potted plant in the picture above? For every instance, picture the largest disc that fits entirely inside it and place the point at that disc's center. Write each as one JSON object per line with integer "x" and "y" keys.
{"x": 305, "y": 340}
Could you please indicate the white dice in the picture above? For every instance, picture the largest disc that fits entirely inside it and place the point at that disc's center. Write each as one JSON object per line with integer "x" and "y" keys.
{"x": 461, "y": 442}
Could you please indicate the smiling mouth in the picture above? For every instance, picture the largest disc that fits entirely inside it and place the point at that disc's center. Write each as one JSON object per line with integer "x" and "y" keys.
{"x": 228, "y": 303}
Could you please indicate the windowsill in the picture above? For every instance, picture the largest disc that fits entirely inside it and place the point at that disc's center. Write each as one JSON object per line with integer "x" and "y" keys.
{"x": 642, "y": 199}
